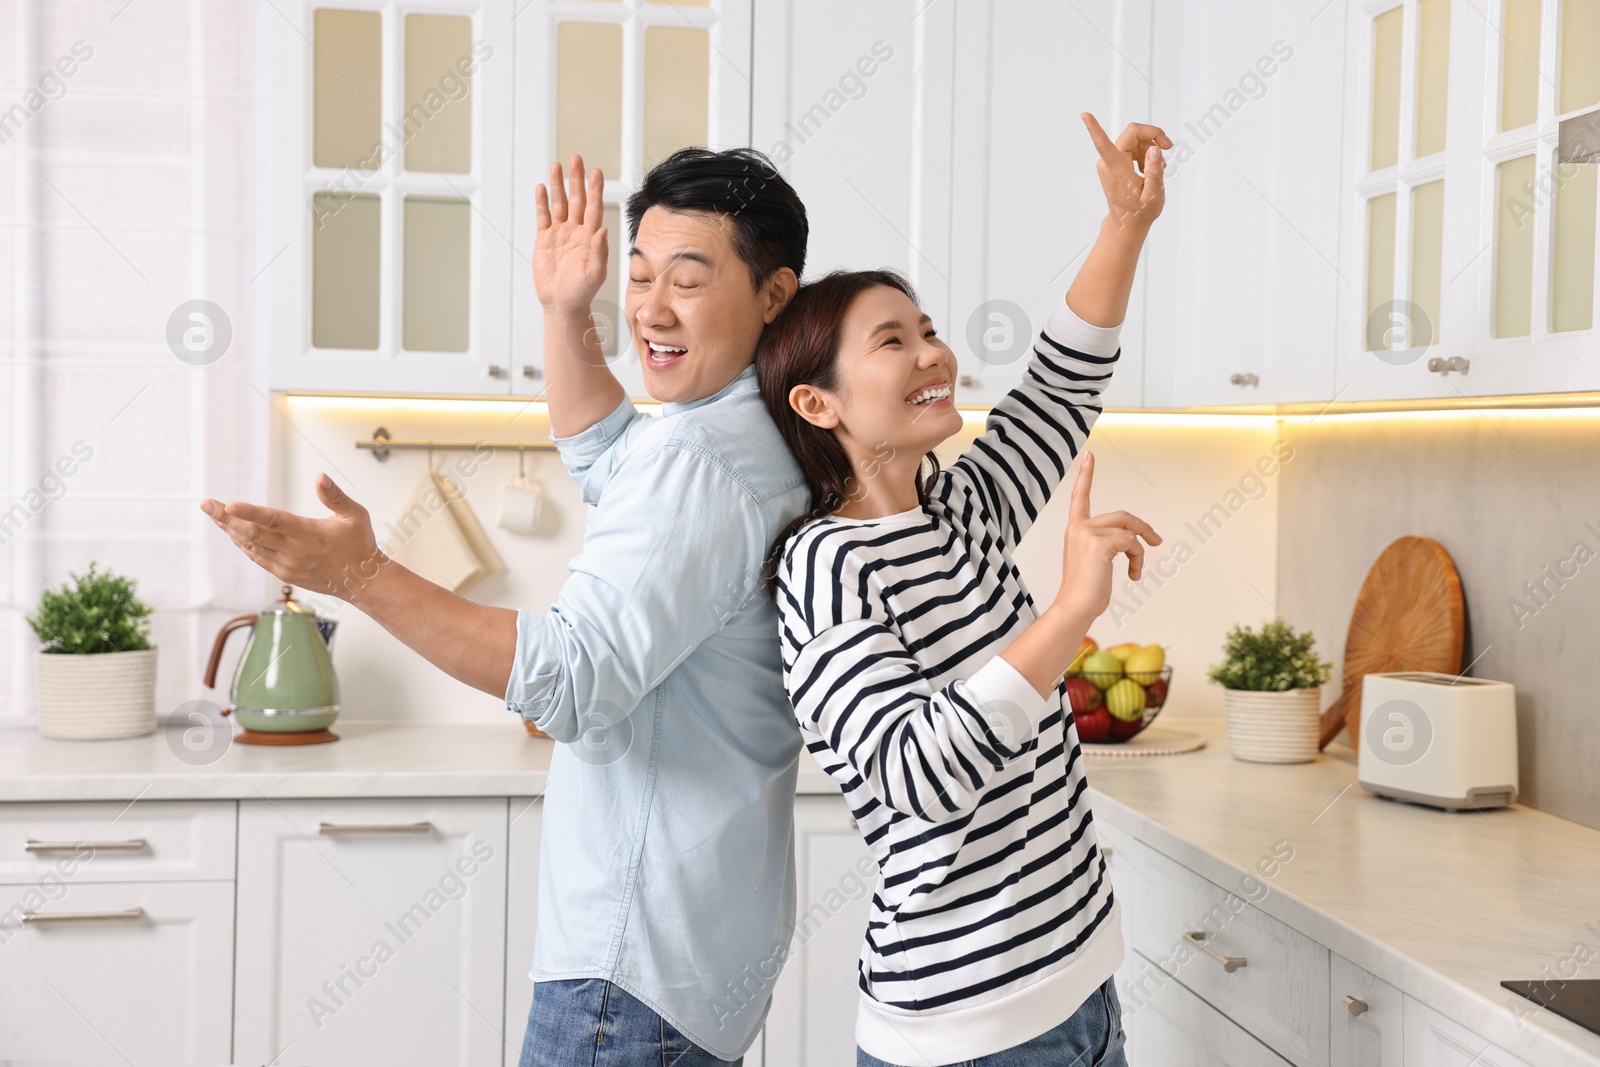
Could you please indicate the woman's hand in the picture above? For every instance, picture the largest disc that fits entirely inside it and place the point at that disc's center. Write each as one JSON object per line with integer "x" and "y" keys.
{"x": 569, "y": 249}
{"x": 1134, "y": 198}
{"x": 1092, "y": 545}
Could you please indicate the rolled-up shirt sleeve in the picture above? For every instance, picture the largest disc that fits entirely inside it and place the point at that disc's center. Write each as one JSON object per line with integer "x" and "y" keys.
{"x": 652, "y": 583}
{"x": 592, "y": 455}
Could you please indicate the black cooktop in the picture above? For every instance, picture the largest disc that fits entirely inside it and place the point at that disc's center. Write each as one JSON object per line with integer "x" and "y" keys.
{"x": 1577, "y": 999}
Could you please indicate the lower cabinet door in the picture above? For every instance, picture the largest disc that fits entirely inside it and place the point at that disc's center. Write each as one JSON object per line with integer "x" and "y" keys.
{"x": 813, "y": 1018}
{"x": 1168, "y": 1025}
{"x": 116, "y": 973}
{"x": 1367, "y": 1015}
{"x": 1435, "y": 1041}
{"x": 523, "y": 835}
{"x": 372, "y": 931}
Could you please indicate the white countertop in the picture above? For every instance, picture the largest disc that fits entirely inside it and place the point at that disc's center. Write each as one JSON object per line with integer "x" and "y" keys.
{"x": 370, "y": 759}
{"x": 1442, "y": 905}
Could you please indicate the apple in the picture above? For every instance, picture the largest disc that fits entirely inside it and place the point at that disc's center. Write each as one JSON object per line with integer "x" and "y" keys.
{"x": 1086, "y": 647}
{"x": 1155, "y": 693}
{"x": 1102, "y": 668}
{"x": 1124, "y": 650}
{"x": 1125, "y": 700}
{"x": 1093, "y": 725}
{"x": 1082, "y": 694}
{"x": 1122, "y": 729}
{"x": 1144, "y": 666}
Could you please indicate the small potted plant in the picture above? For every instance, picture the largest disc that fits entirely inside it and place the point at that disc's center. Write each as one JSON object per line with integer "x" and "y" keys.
{"x": 97, "y": 670}
{"x": 1272, "y": 689}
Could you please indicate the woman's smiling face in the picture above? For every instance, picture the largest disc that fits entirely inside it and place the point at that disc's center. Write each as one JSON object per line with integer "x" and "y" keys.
{"x": 695, "y": 315}
{"x": 895, "y": 392}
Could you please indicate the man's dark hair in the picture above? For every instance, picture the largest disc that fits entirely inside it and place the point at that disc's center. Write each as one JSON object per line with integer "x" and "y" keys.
{"x": 766, "y": 220}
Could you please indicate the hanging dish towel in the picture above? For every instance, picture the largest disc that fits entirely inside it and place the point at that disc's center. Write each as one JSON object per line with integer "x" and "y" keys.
{"x": 438, "y": 536}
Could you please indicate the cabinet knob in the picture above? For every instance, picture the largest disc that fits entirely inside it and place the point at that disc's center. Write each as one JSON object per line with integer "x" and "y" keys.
{"x": 1441, "y": 365}
{"x": 1243, "y": 379}
{"x": 496, "y": 371}
{"x": 1198, "y": 940}
{"x": 965, "y": 381}
{"x": 1355, "y": 1006}
{"x": 530, "y": 371}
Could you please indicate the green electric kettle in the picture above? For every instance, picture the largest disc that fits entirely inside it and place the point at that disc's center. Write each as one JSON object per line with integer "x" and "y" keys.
{"x": 284, "y": 689}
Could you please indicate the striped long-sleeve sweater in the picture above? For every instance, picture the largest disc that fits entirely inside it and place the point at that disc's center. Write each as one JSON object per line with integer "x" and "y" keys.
{"x": 993, "y": 917}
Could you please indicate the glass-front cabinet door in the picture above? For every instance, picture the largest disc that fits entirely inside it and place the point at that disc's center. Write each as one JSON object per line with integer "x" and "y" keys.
{"x": 390, "y": 183}
{"x": 1470, "y": 251}
{"x": 624, "y": 84}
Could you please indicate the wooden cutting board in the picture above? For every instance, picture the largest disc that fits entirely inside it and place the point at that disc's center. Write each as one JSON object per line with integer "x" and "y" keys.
{"x": 1409, "y": 616}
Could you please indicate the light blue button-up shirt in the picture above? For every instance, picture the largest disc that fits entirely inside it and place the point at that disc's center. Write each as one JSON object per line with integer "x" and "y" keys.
{"x": 667, "y": 863}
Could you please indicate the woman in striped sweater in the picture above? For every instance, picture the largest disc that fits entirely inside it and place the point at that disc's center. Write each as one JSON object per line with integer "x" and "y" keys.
{"x": 924, "y": 677}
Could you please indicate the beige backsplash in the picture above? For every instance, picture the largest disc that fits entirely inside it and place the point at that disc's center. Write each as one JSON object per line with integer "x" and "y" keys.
{"x": 1508, "y": 496}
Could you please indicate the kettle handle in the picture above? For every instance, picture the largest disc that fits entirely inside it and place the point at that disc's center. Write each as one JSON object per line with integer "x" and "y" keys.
{"x": 228, "y": 627}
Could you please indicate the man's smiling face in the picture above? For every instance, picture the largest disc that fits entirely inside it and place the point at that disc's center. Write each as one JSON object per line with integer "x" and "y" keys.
{"x": 694, "y": 312}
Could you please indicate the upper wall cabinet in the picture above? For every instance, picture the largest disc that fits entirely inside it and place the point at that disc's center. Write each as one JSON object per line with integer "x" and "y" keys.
{"x": 390, "y": 185}
{"x": 1470, "y": 251}
{"x": 1243, "y": 280}
{"x": 1026, "y": 204}
{"x": 624, "y": 84}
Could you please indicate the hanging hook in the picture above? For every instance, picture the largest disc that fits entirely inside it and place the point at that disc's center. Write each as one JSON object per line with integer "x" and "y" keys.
{"x": 522, "y": 463}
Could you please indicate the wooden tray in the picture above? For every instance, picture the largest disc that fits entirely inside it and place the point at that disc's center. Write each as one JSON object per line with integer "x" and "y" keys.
{"x": 1409, "y": 616}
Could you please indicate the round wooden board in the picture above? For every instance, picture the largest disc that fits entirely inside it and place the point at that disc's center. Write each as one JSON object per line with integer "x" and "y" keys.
{"x": 1409, "y": 616}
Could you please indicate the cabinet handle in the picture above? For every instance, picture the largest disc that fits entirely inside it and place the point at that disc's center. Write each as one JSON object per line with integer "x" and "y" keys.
{"x": 1105, "y": 850}
{"x": 1198, "y": 940}
{"x": 131, "y": 915}
{"x": 1355, "y": 1006}
{"x": 133, "y": 844}
{"x": 965, "y": 381}
{"x": 1244, "y": 379}
{"x": 379, "y": 828}
{"x": 530, "y": 371}
{"x": 496, "y": 371}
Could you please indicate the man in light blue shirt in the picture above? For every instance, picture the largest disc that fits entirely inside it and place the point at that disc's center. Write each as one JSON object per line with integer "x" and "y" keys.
{"x": 667, "y": 880}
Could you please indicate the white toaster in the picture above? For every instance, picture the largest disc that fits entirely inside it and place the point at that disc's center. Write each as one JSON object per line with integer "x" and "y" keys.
{"x": 1438, "y": 739}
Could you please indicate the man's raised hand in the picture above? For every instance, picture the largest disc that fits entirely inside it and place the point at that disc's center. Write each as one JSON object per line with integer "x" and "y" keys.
{"x": 569, "y": 250}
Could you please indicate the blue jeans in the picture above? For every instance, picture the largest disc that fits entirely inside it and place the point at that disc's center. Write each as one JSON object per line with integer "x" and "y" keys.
{"x": 591, "y": 1023}
{"x": 1091, "y": 1037}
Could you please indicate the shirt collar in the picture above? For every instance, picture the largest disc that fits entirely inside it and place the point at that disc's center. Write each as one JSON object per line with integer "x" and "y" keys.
{"x": 744, "y": 382}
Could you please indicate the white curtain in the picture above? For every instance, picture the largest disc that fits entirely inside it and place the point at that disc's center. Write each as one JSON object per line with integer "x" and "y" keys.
{"x": 128, "y": 187}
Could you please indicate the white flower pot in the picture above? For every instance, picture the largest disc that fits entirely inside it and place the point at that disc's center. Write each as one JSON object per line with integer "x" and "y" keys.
{"x": 1274, "y": 727}
{"x": 104, "y": 695}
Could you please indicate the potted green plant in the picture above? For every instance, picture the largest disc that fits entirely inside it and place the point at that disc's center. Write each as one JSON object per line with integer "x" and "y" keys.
{"x": 1272, "y": 689}
{"x": 96, "y": 674}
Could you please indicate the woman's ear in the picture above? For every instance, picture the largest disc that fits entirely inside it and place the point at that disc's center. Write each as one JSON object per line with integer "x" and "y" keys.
{"x": 778, "y": 291}
{"x": 813, "y": 405}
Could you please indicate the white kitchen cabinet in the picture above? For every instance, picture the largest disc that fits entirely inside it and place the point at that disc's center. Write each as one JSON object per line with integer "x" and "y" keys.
{"x": 1167, "y": 1024}
{"x": 373, "y": 931}
{"x": 1367, "y": 1017}
{"x": 389, "y": 180}
{"x": 134, "y": 972}
{"x": 154, "y": 840}
{"x": 812, "y": 1021}
{"x": 1243, "y": 282}
{"x": 623, "y": 85}
{"x": 1025, "y": 203}
{"x": 853, "y": 104}
{"x": 523, "y": 833}
{"x": 1469, "y": 255}
{"x": 1432, "y": 1040}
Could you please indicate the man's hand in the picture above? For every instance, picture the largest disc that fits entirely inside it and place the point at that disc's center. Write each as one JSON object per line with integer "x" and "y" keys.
{"x": 336, "y": 555}
{"x": 1134, "y": 198}
{"x": 569, "y": 251}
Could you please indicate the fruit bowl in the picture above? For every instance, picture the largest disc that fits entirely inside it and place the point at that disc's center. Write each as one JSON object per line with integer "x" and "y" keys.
{"x": 1109, "y": 707}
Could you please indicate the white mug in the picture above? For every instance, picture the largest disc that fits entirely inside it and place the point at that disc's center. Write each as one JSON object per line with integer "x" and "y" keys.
{"x": 519, "y": 505}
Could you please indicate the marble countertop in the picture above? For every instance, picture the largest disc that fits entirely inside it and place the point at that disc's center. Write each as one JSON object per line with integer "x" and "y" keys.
{"x": 1441, "y": 905}
{"x": 370, "y": 759}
